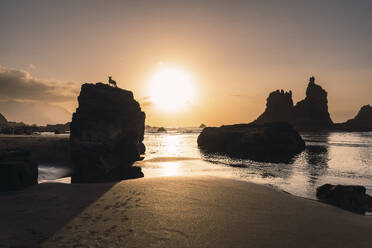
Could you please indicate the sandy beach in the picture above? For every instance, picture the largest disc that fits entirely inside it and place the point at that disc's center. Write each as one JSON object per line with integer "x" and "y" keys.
{"x": 198, "y": 211}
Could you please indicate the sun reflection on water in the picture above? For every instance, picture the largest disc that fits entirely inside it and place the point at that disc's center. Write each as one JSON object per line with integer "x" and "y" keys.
{"x": 170, "y": 169}
{"x": 170, "y": 144}
{"x": 339, "y": 158}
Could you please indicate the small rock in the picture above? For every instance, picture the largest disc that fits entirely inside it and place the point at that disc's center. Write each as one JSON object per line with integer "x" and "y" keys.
{"x": 17, "y": 170}
{"x": 348, "y": 197}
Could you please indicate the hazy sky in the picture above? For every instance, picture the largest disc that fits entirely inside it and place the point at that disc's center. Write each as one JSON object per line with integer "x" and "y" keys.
{"x": 236, "y": 51}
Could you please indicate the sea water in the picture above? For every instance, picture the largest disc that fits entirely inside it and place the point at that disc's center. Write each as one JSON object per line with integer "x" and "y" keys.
{"x": 332, "y": 157}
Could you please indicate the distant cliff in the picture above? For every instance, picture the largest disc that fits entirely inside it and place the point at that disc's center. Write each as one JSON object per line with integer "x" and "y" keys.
{"x": 310, "y": 113}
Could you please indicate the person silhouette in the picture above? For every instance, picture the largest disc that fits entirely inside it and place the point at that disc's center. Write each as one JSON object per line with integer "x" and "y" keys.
{"x": 112, "y": 82}
{"x": 312, "y": 79}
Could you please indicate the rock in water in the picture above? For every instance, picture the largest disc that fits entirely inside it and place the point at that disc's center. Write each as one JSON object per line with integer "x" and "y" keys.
{"x": 162, "y": 130}
{"x": 17, "y": 170}
{"x": 363, "y": 119}
{"x": 309, "y": 114}
{"x": 279, "y": 108}
{"x": 106, "y": 135}
{"x": 312, "y": 112}
{"x": 349, "y": 197}
{"x": 272, "y": 142}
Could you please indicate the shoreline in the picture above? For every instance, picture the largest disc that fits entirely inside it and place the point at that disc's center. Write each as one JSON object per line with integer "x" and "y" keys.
{"x": 157, "y": 161}
{"x": 183, "y": 211}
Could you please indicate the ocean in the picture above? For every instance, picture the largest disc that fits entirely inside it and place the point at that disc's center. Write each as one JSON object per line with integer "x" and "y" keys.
{"x": 332, "y": 157}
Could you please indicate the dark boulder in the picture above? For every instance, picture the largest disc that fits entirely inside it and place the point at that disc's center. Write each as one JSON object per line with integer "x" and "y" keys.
{"x": 106, "y": 134}
{"x": 17, "y": 170}
{"x": 349, "y": 197}
{"x": 272, "y": 142}
{"x": 162, "y": 130}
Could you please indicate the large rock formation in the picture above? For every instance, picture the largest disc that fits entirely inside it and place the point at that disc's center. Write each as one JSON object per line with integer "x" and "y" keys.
{"x": 272, "y": 142}
{"x": 106, "y": 137}
{"x": 363, "y": 119}
{"x": 349, "y": 197}
{"x": 17, "y": 170}
{"x": 279, "y": 108}
{"x": 310, "y": 113}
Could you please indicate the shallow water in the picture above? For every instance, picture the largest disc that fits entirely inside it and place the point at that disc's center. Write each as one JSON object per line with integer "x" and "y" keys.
{"x": 342, "y": 158}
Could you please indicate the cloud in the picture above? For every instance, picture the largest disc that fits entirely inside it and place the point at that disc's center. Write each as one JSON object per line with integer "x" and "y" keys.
{"x": 20, "y": 85}
{"x": 32, "y": 66}
{"x": 146, "y": 102}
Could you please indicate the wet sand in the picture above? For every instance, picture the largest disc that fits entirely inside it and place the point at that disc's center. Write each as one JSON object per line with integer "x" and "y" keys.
{"x": 198, "y": 211}
{"x": 168, "y": 159}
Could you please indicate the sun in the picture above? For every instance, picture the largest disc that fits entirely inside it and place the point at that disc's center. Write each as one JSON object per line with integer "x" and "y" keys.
{"x": 171, "y": 88}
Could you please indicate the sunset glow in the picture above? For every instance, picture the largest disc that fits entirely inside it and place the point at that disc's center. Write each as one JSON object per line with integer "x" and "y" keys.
{"x": 171, "y": 88}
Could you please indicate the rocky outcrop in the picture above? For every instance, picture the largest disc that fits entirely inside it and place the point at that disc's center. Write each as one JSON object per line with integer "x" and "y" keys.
{"x": 363, "y": 119}
{"x": 349, "y": 197}
{"x": 310, "y": 113}
{"x": 3, "y": 120}
{"x": 279, "y": 108}
{"x": 106, "y": 134}
{"x": 272, "y": 142}
{"x": 361, "y": 122}
{"x": 17, "y": 170}
{"x": 162, "y": 130}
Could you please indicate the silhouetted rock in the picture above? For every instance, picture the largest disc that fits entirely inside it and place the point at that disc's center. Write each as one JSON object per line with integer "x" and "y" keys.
{"x": 362, "y": 119}
{"x": 349, "y": 197}
{"x": 273, "y": 142}
{"x": 3, "y": 120}
{"x": 202, "y": 126}
{"x": 310, "y": 113}
{"x": 17, "y": 170}
{"x": 279, "y": 108}
{"x": 162, "y": 129}
{"x": 106, "y": 134}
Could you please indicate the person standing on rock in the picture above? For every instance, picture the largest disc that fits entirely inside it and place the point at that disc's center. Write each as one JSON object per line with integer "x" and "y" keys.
{"x": 312, "y": 80}
{"x": 112, "y": 82}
